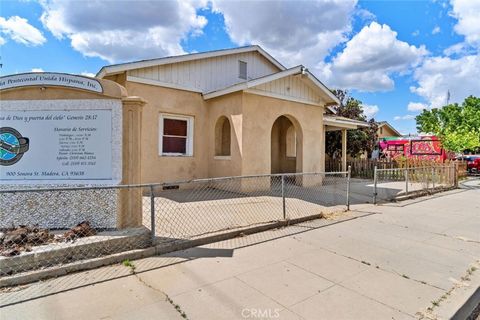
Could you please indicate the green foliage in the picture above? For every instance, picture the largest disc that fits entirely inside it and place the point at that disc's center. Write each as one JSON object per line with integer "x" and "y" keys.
{"x": 129, "y": 264}
{"x": 457, "y": 125}
{"x": 359, "y": 140}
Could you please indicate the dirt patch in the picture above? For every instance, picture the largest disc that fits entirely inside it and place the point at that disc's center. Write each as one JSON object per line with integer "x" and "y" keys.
{"x": 336, "y": 215}
{"x": 22, "y": 238}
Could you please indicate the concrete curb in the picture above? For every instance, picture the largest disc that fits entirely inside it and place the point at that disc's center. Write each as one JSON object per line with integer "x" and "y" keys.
{"x": 421, "y": 193}
{"x": 467, "y": 309}
{"x": 159, "y": 249}
{"x": 57, "y": 271}
{"x": 462, "y": 301}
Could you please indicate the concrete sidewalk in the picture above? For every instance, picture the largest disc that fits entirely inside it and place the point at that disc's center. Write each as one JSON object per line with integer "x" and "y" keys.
{"x": 401, "y": 261}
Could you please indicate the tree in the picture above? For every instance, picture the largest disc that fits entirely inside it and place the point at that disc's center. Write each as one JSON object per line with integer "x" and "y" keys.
{"x": 358, "y": 141}
{"x": 458, "y": 126}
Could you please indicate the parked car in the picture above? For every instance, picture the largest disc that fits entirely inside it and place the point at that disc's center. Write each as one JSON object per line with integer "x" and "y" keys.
{"x": 473, "y": 163}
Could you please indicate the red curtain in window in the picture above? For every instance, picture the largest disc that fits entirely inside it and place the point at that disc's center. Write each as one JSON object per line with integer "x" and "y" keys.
{"x": 172, "y": 127}
{"x": 174, "y": 136}
{"x": 174, "y": 145}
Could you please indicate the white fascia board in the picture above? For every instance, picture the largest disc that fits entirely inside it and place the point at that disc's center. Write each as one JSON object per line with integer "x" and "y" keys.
{"x": 234, "y": 88}
{"x": 344, "y": 123}
{"x": 275, "y": 76}
{"x": 162, "y": 84}
{"x": 114, "y": 69}
{"x": 323, "y": 87}
{"x": 270, "y": 58}
{"x": 334, "y": 124}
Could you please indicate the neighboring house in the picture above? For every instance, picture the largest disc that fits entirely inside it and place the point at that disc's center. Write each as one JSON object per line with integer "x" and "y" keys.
{"x": 229, "y": 113}
{"x": 386, "y": 130}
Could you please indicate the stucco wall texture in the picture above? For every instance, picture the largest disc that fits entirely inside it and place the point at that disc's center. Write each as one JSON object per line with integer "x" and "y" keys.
{"x": 251, "y": 119}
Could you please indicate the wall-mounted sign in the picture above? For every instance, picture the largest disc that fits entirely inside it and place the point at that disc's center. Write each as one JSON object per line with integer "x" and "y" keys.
{"x": 56, "y": 145}
{"x": 50, "y": 79}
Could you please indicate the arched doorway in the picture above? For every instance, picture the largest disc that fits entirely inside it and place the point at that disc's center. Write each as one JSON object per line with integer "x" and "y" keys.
{"x": 286, "y": 145}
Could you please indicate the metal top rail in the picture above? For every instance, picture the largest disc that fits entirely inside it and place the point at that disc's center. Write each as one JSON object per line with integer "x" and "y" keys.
{"x": 415, "y": 168}
{"x": 166, "y": 184}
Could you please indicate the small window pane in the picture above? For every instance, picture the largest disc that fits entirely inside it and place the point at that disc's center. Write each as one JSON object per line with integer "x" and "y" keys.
{"x": 174, "y": 145}
{"x": 173, "y": 127}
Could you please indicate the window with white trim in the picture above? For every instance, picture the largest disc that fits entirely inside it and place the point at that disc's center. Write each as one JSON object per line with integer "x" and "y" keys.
{"x": 176, "y": 135}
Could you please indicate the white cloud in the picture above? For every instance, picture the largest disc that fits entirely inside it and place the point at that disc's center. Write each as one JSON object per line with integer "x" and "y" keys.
{"x": 2, "y": 41}
{"x": 88, "y": 74}
{"x": 370, "y": 110}
{"x": 436, "y": 30}
{"x": 416, "y": 106}
{"x": 370, "y": 58}
{"x": 36, "y": 70}
{"x": 405, "y": 117}
{"x": 416, "y": 33}
{"x": 364, "y": 14}
{"x": 19, "y": 30}
{"x": 294, "y": 33}
{"x": 127, "y": 30}
{"x": 467, "y": 13}
{"x": 439, "y": 75}
{"x": 459, "y": 49}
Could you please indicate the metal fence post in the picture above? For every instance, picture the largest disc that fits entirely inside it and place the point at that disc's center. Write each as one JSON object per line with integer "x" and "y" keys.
{"x": 283, "y": 198}
{"x": 406, "y": 180}
{"x": 375, "y": 185}
{"x": 348, "y": 186}
{"x": 152, "y": 215}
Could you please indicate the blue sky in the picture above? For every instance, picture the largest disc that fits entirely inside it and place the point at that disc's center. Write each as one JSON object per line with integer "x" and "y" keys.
{"x": 397, "y": 57}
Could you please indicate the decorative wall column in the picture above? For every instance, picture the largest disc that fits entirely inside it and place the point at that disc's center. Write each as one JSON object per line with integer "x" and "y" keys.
{"x": 130, "y": 200}
{"x": 344, "y": 149}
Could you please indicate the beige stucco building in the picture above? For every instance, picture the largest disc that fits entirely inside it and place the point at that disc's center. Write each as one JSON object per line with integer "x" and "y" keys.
{"x": 386, "y": 130}
{"x": 228, "y": 113}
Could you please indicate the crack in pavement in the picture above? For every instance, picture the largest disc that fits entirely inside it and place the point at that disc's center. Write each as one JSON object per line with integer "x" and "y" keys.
{"x": 167, "y": 297}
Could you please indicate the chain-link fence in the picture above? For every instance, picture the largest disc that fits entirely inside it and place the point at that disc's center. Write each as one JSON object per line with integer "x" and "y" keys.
{"x": 391, "y": 184}
{"x": 192, "y": 209}
{"x": 76, "y": 228}
{"x": 49, "y": 228}
{"x": 41, "y": 228}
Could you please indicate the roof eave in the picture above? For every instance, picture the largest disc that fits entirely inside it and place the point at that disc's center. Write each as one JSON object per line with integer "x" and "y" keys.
{"x": 385, "y": 123}
{"x": 288, "y": 72}
{"x": 320, "y": 84}
{"x": 118, "y": 68}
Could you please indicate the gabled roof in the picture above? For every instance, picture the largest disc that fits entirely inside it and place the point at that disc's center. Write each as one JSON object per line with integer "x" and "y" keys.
{"x": 385, "y": 123}
{"x": 119, "y": 68}
{"x": 324, "y": 91}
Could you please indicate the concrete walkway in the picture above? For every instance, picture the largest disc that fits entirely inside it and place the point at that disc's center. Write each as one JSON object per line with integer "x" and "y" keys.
{"x": 388, "y": 262}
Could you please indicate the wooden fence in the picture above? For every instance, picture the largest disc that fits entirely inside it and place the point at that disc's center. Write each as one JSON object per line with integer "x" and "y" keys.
{"x": 364, "y": 168}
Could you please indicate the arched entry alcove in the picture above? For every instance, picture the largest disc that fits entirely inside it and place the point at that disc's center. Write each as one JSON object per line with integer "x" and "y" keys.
{"x": 286, "y": 145}
{"x": 222, "y": 137}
